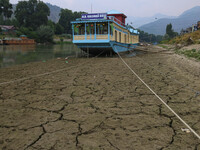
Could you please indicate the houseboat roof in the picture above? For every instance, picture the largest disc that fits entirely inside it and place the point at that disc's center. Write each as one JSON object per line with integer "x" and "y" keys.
{"x": 115, "y": 12}
{"x": 7, "y": 27}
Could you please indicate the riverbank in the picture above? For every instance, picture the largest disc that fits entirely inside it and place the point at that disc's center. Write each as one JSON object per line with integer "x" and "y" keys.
{"x": 190, "y": 51}
{"x": 98, "y": 103}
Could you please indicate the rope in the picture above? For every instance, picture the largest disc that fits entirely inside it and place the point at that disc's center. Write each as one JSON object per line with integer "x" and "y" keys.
{"x": 47, "y": 73}
{"x": 160, "y": 99}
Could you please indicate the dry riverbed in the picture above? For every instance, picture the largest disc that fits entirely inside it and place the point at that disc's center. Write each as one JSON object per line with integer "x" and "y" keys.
{"x": 98, "y": 103}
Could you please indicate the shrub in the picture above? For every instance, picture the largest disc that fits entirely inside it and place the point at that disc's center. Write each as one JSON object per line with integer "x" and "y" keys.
{"x": 45, "y": 34}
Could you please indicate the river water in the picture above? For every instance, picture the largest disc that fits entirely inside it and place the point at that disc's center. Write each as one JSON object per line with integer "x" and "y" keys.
{"x": 20, "y": 54}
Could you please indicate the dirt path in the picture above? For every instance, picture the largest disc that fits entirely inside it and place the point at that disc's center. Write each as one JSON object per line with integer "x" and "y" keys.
{"x": 98, "y": 104}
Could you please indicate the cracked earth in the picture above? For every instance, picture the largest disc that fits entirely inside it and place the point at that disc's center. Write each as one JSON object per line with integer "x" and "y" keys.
{"x": 98, "y": 103}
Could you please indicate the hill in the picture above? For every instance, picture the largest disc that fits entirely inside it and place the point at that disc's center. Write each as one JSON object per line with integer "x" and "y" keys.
{"x": 139, "y": 21}
{"x": 185, "y": 20}
{"x": 187, "y": 39}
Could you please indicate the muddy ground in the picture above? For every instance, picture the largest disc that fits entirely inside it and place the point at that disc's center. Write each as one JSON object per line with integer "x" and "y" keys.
{"x": 97, "y": 103}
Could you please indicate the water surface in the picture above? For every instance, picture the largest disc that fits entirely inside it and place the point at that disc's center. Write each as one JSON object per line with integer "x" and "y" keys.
{"x": 21, "y": 54}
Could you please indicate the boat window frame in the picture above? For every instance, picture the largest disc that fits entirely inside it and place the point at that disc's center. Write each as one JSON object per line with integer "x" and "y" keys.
{"x": 128, "y": 37}
{"x": 116, "y": 35}
{"x": 91, "y": 28}
{"x": 81, "y": 30}
{"x": 124, "y": 38}
{"x": 111, "y": 30}
{"x": 120, "y": 38}
{"x": 102, "y": 28}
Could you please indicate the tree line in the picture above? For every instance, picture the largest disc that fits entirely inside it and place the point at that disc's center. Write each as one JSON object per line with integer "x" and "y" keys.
{"x": 151, "y": 38}
{"x": 31, "y": 18}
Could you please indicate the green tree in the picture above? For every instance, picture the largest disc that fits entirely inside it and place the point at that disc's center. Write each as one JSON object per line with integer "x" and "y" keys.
{"x": 52, "y": 25}
{"x": 41, "y": 14}
{"x": 32, "y": 13}
{"x": 45, "y": 34}
{"x": 146, "y": 37}
{"x": 59, "y": 29}
{"x": 5, "y": 9}
{"x": 66, "y": 16}
{"x": 77, "y": 14}
{"x": 27, "y": 31}
{"x": 21, "y": 13}
{"x": 1, "y": 19}
{"x": 170, "y": 32}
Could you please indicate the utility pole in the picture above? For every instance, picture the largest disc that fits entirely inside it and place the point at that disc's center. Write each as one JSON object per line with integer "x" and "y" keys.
{"x": 91, "y": 7}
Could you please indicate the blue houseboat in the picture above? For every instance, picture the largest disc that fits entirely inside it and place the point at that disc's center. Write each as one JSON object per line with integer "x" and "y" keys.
{"x": 104, "y": 33}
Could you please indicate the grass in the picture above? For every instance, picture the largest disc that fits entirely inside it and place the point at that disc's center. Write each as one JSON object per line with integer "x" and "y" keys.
{"x": 186, "y": 39}
{"x": 189, "y": 38}
{"x": 63, "y": 42}
{"x": 163, "y": 46}
{"x": 190, "y": 53}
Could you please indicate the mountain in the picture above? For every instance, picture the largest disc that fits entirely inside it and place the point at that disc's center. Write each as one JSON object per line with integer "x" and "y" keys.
{"x": 185, "y": 20}
{"x": 55, "y": 11}
{"x": 139, "y": 21}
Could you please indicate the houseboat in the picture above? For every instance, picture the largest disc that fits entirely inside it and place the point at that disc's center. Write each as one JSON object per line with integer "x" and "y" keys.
{"x": 23, "y": 40}
{"x": 104, "y": 33}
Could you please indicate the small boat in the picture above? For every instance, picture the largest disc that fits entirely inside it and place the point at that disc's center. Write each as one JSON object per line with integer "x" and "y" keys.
{"x": 104, "y": 33}
{"x": 23, "y": 40}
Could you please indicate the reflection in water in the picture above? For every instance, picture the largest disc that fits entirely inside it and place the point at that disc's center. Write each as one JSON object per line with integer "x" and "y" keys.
{"x": 21, "y": 54}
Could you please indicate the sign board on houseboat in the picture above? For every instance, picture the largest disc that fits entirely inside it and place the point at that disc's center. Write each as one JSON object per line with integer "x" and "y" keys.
{"x": 94, "y": 16}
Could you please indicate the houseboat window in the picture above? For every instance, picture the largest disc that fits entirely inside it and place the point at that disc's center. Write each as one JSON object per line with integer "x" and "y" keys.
{"x": 102, "y": 28}
{"x": 125, "y": 38}
{"x": 115, "y": 35}
{"x": 105, "y": 28}
{"x": 131, "y": 39}
{"x": 90, "y": 28}
{"x": 111, "y": 29}
{"x": 128, "y": 38}
{"x": 120, "y": 36}
{"x": 79, "y": 29}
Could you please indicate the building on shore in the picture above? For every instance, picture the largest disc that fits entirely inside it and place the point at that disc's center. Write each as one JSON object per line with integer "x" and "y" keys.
{"x": 194, "y": 28}
{"x": 8, "y": 29}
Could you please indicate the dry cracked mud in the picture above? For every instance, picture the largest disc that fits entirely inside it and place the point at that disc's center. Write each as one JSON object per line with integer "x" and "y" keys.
{"x": 97, "y": 103}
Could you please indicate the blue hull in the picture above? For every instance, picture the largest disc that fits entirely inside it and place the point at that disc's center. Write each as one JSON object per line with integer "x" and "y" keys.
{"x": 105, "y": 48}
{"x": 122, "y": 47}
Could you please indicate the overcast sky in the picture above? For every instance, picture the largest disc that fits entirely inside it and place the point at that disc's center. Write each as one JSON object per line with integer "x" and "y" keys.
{"x": 135, "y": 8}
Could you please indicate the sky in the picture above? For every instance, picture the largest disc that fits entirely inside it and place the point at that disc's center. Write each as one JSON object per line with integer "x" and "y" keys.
{"x": 135, "y": 8}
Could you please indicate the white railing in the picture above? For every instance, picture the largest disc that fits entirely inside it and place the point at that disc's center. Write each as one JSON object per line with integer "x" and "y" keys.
{"x": 116, "y": 20}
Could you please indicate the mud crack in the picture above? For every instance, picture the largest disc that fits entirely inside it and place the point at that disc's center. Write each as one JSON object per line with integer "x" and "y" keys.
{"x": 77, "y": 136}
{"x": 170, "y": 125}
{"x": 115, "y": 147}
{"x": 40, "y": 136}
